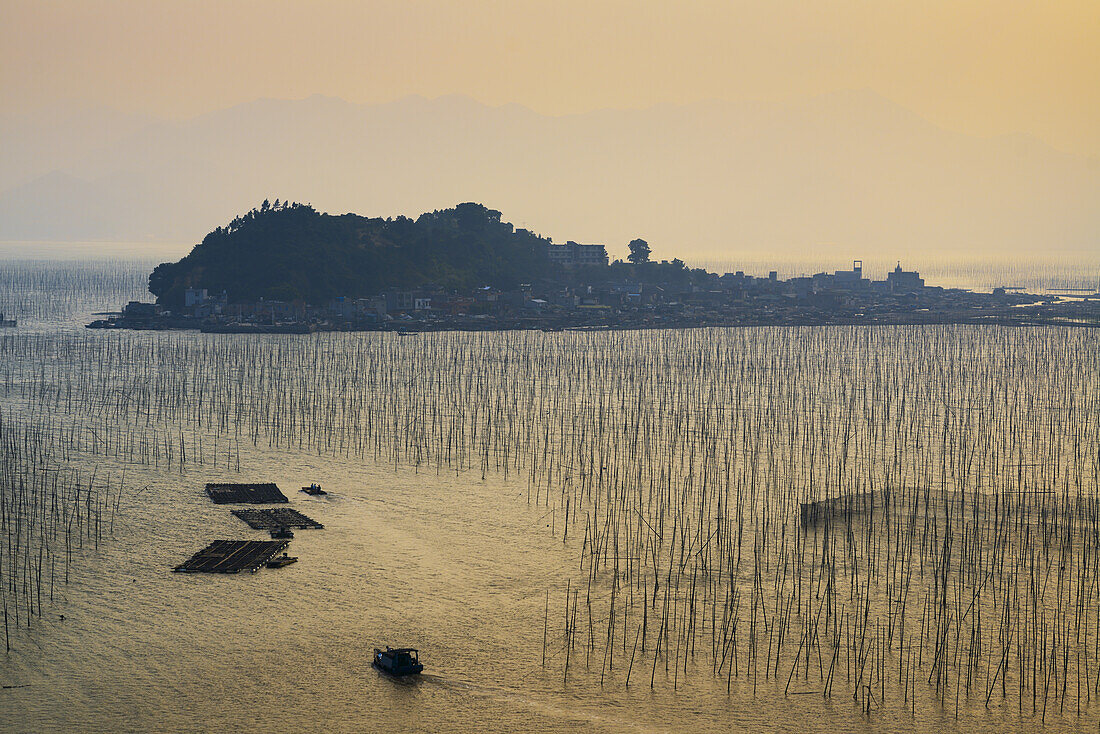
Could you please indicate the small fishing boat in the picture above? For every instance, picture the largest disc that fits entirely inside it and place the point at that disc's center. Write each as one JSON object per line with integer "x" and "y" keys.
{"x": 281, "y": 533}
{"x": 399, "y": 661}
{"x": 314, "y": 490}
{"x": 283, "y": 560}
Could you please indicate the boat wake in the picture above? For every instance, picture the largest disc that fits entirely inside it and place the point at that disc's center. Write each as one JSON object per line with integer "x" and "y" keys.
{"x": 542, "y": 707}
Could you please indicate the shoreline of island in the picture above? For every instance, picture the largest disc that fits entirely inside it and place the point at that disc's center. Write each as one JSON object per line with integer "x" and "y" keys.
{"x": 956, "y": 307}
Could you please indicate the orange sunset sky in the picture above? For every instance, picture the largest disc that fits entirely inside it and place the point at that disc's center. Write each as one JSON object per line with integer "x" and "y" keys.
{"x": 976, "y": 66}
{"x": 854, "y": 128}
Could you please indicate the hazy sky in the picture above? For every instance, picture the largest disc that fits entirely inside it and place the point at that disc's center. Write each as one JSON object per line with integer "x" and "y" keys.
{"x": 977, "y": 66}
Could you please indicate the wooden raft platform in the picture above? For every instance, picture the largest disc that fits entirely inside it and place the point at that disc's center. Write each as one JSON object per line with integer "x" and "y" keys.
{"x": 233, "y": 556}
{"x": 252, "y": 494}
{"x": 277, "y": 517}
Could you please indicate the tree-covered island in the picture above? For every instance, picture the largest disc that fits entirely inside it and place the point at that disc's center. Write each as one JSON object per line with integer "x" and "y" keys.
{"x": 288, "y": 267}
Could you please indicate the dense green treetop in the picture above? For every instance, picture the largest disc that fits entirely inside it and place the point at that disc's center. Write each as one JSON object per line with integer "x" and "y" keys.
{"x": 292, "y": 251}
{"x": 639, "y": 251}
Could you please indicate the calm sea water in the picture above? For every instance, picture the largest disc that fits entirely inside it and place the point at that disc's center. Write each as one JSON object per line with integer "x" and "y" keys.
{"x": 456, "y": 562}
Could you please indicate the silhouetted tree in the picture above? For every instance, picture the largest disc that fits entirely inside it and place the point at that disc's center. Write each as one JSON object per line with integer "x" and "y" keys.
{"x": 639, "y": 251}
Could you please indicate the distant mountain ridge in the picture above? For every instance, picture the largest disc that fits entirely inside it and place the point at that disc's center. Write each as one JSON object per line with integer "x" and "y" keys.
{"x": 846, "y": 174}
{"x": 294, "y": 252}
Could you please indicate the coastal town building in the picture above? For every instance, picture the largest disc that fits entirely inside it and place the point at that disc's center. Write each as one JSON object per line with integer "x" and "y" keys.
{"x": 399, "y": 300}
{"x": 847, "y": 280}
{"x": 903, "y": 281}
{"x": 194, "y": 296}
{"x": 572, "y": 254}
{"x": 199, "y": 303}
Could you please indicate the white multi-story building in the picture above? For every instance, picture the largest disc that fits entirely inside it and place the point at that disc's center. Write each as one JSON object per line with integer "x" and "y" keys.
{"x": 195, "y": 297}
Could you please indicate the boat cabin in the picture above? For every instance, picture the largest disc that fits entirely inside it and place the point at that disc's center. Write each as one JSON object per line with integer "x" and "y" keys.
{"x": 399, "y": 661}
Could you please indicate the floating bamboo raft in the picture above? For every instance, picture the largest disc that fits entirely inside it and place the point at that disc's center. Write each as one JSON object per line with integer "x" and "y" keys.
{"x": 233, "y": 556}
{"x": 278, "y": 517}
{"x": 842, "y": 507}
{"x": 253, "y": 494}
{"x": 925, "y": 504}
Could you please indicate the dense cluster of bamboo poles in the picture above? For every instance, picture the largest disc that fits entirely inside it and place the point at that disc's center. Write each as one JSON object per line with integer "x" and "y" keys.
{"x": 46, "y": 291}
{"x": 48, "y": 516}
{"x": 952, "y": 560}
